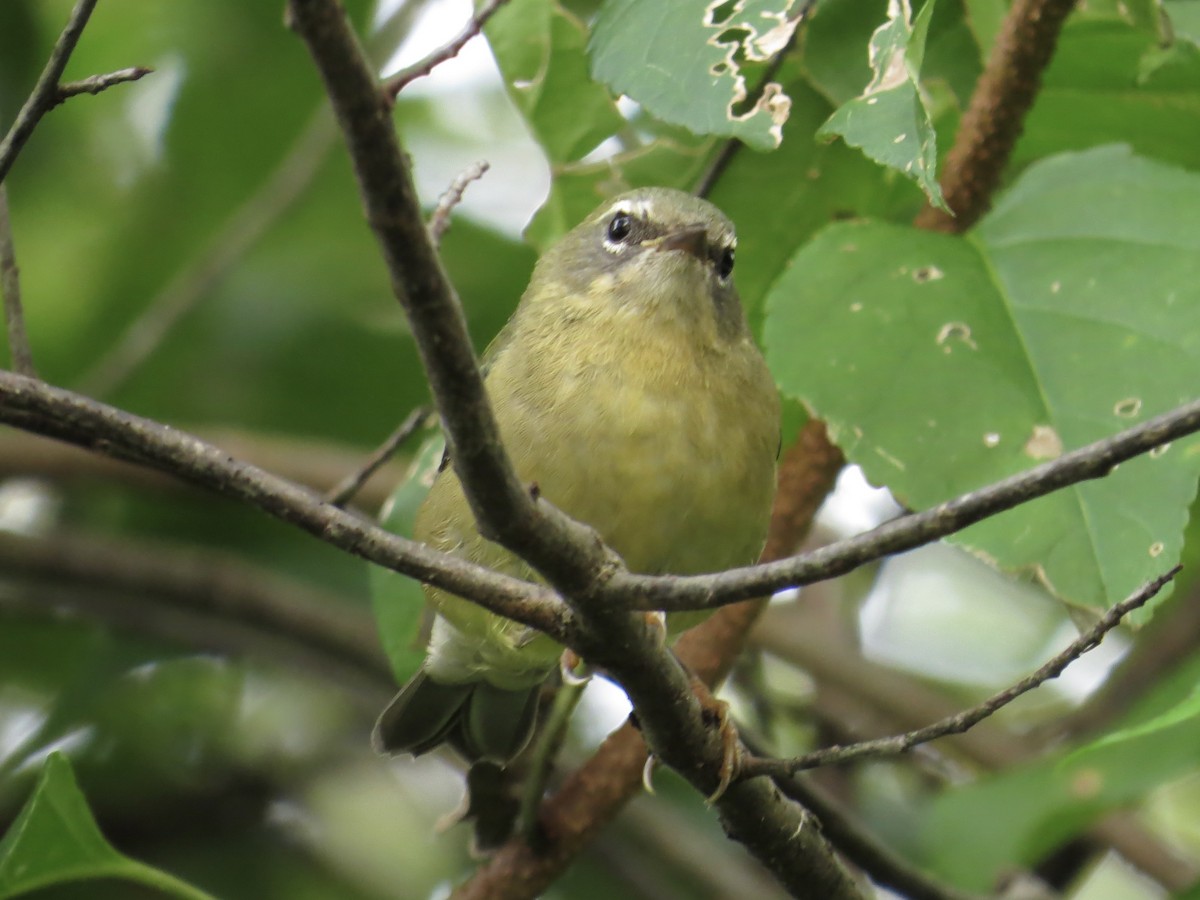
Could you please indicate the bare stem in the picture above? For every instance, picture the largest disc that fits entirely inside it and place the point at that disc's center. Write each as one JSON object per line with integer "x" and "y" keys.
{"x": 960, "y": 722}
{"x": 398, "y": 82}
{"x": 95, "y": 84}
{"x": 345, "y": 490}
{"x": 439, "y": 222}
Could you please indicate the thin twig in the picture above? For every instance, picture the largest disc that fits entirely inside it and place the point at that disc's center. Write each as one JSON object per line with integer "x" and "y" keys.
{"x": 94, "y": 84}
{"x": 191, "y": 284}
{"x": 345, "y": 490}
{"x": 45, "y": 92}
{"x": 398, "y": 82}
{"x": 1095, "y": 460}
{"x": 10, "y": 286}
{"x": 439, "y": 222}
{"x": 960, "y": 722}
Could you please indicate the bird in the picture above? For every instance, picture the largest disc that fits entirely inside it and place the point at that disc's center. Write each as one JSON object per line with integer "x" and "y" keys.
{"x": 628, "y": 387}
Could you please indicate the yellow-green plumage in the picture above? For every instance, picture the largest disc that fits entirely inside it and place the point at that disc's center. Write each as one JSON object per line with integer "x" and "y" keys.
{"x": 628, "y": 388}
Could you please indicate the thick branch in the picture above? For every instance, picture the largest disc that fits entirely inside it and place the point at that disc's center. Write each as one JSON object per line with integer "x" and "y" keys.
{"x": 960, "y": 722}
{"x": 1096, "y": 460}
{"x": 995, "y": 116}
{"x": 593, "y": 794}
{"x": 45, "y": 92}
{"x": 566, "y": 552}
{"x": 36, "y": 406}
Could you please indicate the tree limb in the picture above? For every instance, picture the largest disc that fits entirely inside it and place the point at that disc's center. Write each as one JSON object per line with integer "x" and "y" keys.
{"x": 593, "y": 794}
{"x": 38, "y": 407}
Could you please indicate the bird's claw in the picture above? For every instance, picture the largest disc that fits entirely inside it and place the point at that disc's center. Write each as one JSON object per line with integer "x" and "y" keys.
{"x": 731, "y": 747}
{"x": 658, "y": 625}
{"x": 575, "y": 672}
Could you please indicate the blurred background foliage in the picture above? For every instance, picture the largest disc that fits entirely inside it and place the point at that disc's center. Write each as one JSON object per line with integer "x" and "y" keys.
{"x": 192, "y": 249}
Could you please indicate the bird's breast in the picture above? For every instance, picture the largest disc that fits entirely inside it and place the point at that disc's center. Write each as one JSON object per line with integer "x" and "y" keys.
{"x": 665, "y": 448}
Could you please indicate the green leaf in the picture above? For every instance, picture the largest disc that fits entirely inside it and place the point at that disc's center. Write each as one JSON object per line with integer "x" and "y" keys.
{"x": 945, "y": 363}
{"x": 889, "y": 120}
{"x": 684, "y": 62}
{"x": 1110, "y": 81}
{"x": 399, "y": 601}
{"x": 55, "y": 840}
{"x": 540, "y": 49}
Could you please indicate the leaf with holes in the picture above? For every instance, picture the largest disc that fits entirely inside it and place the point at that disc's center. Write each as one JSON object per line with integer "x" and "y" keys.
{"x": 685, "y": 62}
{"x": 889, "y": 121}
{"x": 944, "y": 363}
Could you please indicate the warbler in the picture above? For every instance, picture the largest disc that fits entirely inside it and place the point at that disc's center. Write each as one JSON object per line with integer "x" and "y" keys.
{"x": 627, "y": 386}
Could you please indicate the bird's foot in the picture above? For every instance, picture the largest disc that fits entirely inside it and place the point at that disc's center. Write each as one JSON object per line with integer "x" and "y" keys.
{"x": 575, "y": 672}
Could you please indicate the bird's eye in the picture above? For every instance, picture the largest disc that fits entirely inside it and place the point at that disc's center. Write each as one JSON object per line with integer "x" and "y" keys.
{"x": 725, "y": 263}
{"x": 620, "y": 227}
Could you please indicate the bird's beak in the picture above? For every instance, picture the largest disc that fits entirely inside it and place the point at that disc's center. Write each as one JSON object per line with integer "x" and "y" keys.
{"x": 693, "y": 239}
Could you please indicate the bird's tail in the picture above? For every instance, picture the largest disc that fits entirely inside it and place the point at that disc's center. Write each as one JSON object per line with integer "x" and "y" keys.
{"x": 480, "y": 720}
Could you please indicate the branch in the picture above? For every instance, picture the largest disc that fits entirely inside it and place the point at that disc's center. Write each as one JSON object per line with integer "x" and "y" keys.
{"x": 10, "y": 286}
{"x": 593, "y": 794}
{"x": 1162, "y": 644}
{"x": 995, "y": 117}
{"x": 402, "y": 79}
{"x": 38, "y": 407}
{"x": 956, "y": 724}
{"x": 567, "y": 553}
{"x": 343, "y": 492}
{"x": 95, "y": 84}
{"x": 439, "y": 222}
{"x": 1096, "y": 460}
{"x": 45, "y": 93}
{"x": 859, "y": 696}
